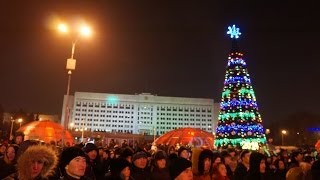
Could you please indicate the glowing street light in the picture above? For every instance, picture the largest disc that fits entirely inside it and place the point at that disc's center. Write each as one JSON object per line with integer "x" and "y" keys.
{"x": 20, "y": 121}
{"x": 283, "y": 132}
{"x": 71, "y": 125}
{"x": 267, "y": 131}
{"x": 63, "y": 28}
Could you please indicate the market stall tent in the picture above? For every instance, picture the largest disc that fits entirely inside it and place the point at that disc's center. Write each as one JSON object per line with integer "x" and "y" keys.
{"x": 45, "y": 130}
{"x": 187, "y": 136}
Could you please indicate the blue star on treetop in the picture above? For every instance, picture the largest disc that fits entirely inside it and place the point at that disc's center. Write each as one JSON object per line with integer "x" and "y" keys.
{"x": 234, "y": 32}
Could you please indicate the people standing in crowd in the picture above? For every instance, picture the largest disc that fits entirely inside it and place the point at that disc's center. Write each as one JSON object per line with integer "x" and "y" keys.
{"x": 226, "y": 159}
{"x": 295, "y": 158}
{"x": 242, "y": 168}
{"x": 257, "y": 170}
{"x": 220, "y": 172}
{"x": 315, "y": 168}
{"x": 18, "y": 138}
{"x": 119, "y": 170}
{"x": 106, "y": 160}
{"x": 126, "y": 153}
{"x": 280, "y": 170}
{"x": 159, "y": 168}
{"x": 94, "y": 167}
{"x": 216, "y": 158}
{"x": 180, "y": 169}
{"x": 3, "y": 148}
{"x": 183, "y": 152}
{"x": 72, "y": 164}
{"x": 8, "y": 162}
{"x": 204, "y": 165}
{"x": 139, "y": 170}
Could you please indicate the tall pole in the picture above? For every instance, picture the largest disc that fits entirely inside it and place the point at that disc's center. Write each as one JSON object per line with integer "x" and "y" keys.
{"x": 154, "y": 134}
{"x": 12, "y": 120}
{"x": 70, "y": 67}
{"x": 281, "y": 138}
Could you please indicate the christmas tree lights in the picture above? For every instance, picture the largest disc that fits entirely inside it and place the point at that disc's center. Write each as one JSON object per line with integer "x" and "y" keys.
{"x": 239, "y": 122}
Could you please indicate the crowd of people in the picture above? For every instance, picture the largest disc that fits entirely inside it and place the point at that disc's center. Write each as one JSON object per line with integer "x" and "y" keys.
{"x": 30, "y": 159}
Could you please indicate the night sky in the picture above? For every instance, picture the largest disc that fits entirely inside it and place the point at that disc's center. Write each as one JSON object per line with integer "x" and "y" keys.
{"x": 176, "y": 48}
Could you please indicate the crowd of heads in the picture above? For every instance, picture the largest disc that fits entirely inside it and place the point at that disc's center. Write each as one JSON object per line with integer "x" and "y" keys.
{"x": 30, "y": 159}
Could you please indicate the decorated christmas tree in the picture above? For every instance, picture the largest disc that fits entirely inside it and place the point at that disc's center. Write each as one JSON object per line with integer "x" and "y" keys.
{"x": 239, "y": 122}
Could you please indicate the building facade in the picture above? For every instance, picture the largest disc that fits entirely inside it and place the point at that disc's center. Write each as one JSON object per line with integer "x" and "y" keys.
{"x": 138, "y": 114}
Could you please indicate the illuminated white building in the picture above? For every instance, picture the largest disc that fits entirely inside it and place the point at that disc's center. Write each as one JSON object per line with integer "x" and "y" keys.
{"x": 140, "y": 113}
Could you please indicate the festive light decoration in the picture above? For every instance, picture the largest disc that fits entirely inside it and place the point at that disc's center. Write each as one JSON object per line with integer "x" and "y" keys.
{"x": 234, "y": 32}
{"x": 240, "y": 122}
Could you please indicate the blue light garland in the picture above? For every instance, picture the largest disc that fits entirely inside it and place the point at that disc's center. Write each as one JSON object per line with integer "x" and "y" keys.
{"x": 233, "y": 62}
{"x": 237, "y": 79}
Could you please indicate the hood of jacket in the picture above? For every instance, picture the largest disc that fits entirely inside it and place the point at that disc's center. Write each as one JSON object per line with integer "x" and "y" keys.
{"x": 41, "y": 153}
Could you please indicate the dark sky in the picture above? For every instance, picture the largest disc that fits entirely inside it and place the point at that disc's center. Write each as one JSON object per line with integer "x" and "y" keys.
{"x": 169, "y": 48}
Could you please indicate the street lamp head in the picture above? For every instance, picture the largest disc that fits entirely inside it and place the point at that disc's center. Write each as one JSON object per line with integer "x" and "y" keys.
{"x": 20, "y": 120}
{"x": 284, "y": 132}
{"x": 71, "y": 124}
{"x": 63, "y": 28}
{"x": 85, "y": 31}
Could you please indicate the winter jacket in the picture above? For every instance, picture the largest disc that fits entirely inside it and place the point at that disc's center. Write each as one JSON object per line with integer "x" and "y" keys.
{"x": 254, "y": 170}
{"x": 240, "y": 172}
{"x": 159, "y": 174}
{"x": 6, "y": 169}
{"x": 140, "y": 174}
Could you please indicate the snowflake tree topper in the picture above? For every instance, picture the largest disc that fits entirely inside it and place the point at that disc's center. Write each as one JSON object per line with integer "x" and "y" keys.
{"x": 234, "y": 32}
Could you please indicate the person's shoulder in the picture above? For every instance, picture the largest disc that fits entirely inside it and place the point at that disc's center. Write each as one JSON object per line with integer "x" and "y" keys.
{"x": 316, "y": 164}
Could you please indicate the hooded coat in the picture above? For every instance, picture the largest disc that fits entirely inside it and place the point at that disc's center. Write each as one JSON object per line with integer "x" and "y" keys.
{"x": 41, "y": 153}
{"x": 254, "y": 170}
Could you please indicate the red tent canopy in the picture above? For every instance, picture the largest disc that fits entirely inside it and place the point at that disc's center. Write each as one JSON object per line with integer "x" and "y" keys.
{"x": 46, "y": 131}
{"x": 317, "y": 145}
{"x": 187, "y": 136}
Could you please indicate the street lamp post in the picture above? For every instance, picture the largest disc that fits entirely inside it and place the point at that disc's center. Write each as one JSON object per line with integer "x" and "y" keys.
{"x": 11, "y": 137}
{"x": 283, "y": 132}
{"x": 154, "y": 134}
{"x": 71, "y": 65}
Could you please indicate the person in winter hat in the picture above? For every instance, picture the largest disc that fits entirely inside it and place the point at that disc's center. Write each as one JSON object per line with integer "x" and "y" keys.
{"x": 180, "y": 169}
{"x": 183, "y": 152}
{"x": 127, "y": 154}
{"x": 159, "y": 168}
{"x": 36, "y": 163}
{"x": 139, "y": 170}
{"x": 72, "y": 164}
{"x": 257, "y": 164}
{"x": 120, "y": 169}
{"x": 94, "y": 166}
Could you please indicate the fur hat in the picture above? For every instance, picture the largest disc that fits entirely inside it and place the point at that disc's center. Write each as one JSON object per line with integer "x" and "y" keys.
{"x": 160, "y": 155}
{"x": 126, "y": 152}
{"x": 139, "y": 155}
{"x": 90, "y": 147}
{"x": 117, "y": 165}
{"x": 178, "y": 165}
{"x": 68, "y": 154}
{"x": 182, "y": 148}
{"x": 36, "y": 153}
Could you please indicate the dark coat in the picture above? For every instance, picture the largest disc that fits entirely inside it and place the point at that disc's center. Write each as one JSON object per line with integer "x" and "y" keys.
{"x": 6, "y": 169}
{"x": 159, "y": 174}
{"x": 240, "y": 172}
{"x": 140, "y": 174}
{"x": 254, "y": 170}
